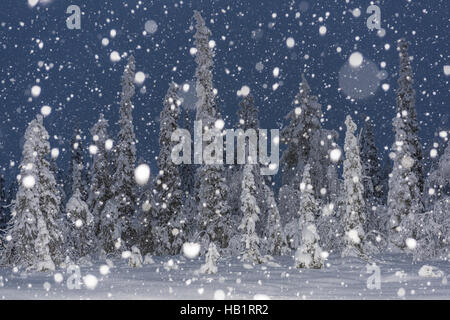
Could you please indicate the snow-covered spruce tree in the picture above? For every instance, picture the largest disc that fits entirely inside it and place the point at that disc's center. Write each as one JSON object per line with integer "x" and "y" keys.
{"x": 307, "y": 142}
{"x": 80, "y": 239}
{"x": 109, "y": 233}
{"x": 123, "y": 184}
{"x": 354, "y": 217}
{"x": 169, "y": 232}
{"x": 77, "y": 172}
{"x": 206, "y": 106}
{"x": 373, "y": 187}
{"x": 35, "y": 240}
{"x": 406, "y": 180}
{"x": 188, "y": 180}
{"x": 434, "y": 226}
{"x": 213, "y": 210}
{"x": 211, "y": 257}
{"x": 441, "y": 233}
{"x": 433, "y": 232}
{"x": 50, "y": 202}
{"x": 304, "y": 121}
{"x": 373, "y": 190}
{"x": 438, "y": 181}
{"x": 250, "y": 211}
{"x": 275, "y": 239}
{"x": 213, "y": 214}
{"x": 248, "y": 120}
{"x": 100, "y": 180}
{"x": 406, "y": 100}
{"x": 404, "y": 204}
{"x": 309, "y": 254}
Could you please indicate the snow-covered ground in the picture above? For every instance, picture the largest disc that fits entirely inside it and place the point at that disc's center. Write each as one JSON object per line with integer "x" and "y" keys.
{"x": 340, "y": 279}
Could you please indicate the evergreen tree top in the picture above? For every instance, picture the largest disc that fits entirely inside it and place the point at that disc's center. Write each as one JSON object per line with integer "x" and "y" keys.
{"x": 248, "y": 113}
{"x": 128, "y": 89}
{"x": 206, "y": 103}
{"x": 100, "y": 128}
{"x": 202, "y": 30}
{"x": 351, "y": 126}
{"x": 36, "y": 137}
{"x": 310, "y": 110}
{"x": 305, "y": 90}
{"x": 405, "y": 91}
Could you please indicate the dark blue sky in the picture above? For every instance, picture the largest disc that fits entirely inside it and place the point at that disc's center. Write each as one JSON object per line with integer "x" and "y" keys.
{"x": 79, "y": 86}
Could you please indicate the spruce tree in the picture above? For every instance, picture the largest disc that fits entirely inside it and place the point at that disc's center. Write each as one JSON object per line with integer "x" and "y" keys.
{"x": 404, "y": 204}
{"x": 371, "y": 165}
{"x": 440, "y": 232}
{"x": 34, "y": 239}
{"x": 309, "y": 254}
{"x": 373, "y": 188}
{"x": 304, "y": 121}
{"x": 354, "y": 217}
{"x": 307, "y": 142}
{"x": 213, "y": 214}
{"x": 406, "y": 101}
{"x": 248, "y": 120}
{"x": 434, "y": 225}
{"x": 275, "y": 239}
{"x": 100, "y": 180}
{"x": 438, "y": 180}
{"x": 188, "y": 183}
{"x": 433, "y": 232}
{"x": 206, "y": 106}
{"x": 211, "y": 257}
{"x": 80, "y": 236}
{"x": 169, "y": 233}
{"x": 250, "y": 211}
{"x": 123, "y": 185}
{"x": 406, "y": 180}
